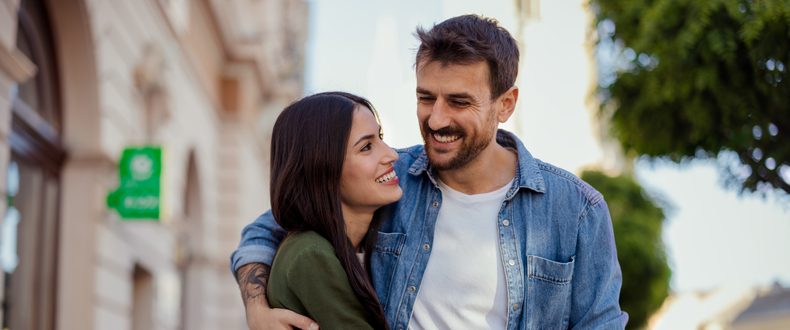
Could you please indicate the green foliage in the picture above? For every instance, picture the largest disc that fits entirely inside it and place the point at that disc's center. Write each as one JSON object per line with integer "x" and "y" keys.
{"x": 719, "y": 82}
{"x": 637, "y": 231}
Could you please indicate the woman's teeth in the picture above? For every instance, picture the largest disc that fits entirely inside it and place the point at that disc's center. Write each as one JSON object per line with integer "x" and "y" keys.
{"x": 386, "y": 177}
{"x": 446, "y": 138}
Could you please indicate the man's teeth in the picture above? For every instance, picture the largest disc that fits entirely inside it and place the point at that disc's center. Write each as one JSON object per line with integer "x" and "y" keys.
{"x": 386, "y": 177}
{"x": 446, "y": 138}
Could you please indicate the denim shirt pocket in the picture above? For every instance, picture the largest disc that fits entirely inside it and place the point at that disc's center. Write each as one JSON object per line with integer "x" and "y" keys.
{"x": 549, "y": 292}
{"x": 383, "y": 261}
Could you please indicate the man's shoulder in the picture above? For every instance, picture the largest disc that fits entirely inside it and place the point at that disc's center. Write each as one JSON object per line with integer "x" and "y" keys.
{"x": 564, "y": 183}
{"x": 414, "y": 152}
{"x": 408, "y": 156}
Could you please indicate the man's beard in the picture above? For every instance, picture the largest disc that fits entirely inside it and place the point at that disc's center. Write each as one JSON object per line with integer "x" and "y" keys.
{"x": 469, "y": 150}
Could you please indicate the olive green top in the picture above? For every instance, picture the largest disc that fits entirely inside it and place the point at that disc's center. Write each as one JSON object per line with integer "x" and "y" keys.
{"x": 308, "y": 279}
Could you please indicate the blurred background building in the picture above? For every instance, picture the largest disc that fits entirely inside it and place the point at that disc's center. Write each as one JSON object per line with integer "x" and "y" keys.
{"x": 80, "y": 80}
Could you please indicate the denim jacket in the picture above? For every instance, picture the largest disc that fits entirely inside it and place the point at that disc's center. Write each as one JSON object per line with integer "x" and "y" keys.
{"x": 555, "y": 238}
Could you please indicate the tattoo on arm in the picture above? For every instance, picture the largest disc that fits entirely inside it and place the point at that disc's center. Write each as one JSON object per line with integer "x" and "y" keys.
{"x": 252, "y": 279}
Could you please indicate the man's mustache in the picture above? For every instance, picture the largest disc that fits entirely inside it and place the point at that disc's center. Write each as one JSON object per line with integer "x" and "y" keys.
{"x": 449, "y": 130}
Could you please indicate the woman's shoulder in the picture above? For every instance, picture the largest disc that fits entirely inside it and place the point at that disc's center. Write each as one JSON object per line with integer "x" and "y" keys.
{"x": 301, "y": 263}
{"x": 303, "y": 247}
{"x": 308, "y": 279}
{"x": 307, "y": 240}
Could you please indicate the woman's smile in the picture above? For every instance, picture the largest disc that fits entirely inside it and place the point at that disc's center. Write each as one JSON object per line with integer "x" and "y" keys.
{"x": 388, "y": 178}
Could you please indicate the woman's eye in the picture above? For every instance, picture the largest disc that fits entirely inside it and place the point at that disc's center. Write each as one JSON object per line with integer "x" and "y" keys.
{"x": 366, "y": 147}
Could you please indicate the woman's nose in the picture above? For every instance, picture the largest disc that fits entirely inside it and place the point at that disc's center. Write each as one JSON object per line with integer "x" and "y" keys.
{"x": 390, "y": 155}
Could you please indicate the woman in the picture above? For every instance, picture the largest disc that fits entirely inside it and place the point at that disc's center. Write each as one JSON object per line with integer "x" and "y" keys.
{"x": 330, "y": 173}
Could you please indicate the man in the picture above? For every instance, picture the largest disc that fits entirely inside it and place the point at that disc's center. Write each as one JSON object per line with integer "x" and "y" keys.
{"x": 485, "y": 236}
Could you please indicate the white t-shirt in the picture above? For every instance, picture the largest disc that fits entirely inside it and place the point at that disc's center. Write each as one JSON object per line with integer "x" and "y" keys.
{"x": 464, "y": 283}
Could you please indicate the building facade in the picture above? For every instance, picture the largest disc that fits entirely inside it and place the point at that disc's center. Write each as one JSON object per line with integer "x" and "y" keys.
{"x": 80, "y": 80}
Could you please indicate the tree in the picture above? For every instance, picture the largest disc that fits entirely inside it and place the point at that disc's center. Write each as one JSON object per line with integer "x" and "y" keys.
{"x": 637, "y": 232}
{"x": 701, "y": 78}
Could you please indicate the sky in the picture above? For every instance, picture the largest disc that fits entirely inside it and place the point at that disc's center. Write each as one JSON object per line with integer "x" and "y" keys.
{"x": 714, "y": 236}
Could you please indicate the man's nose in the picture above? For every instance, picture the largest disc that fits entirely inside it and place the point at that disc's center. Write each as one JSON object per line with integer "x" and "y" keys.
{"x": 439, "y": 115}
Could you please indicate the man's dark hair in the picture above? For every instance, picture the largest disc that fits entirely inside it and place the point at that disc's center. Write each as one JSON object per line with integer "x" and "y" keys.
{"x": 469, "y": 39}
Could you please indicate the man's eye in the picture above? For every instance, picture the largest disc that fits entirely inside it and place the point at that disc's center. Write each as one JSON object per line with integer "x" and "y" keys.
{"x": 460, "y": 104}
{"x": 366, "y": 147}
{"x": 425, "y": 99}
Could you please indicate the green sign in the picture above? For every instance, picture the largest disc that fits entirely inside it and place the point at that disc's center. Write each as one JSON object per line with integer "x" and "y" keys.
{"x": 138, "y": 196}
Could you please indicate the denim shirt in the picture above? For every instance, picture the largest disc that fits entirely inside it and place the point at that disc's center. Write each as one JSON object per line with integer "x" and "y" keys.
{"x": 555, "y": 237}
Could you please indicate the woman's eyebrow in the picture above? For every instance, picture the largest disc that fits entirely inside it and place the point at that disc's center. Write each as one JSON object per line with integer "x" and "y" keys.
{"x": 366, "y": 137}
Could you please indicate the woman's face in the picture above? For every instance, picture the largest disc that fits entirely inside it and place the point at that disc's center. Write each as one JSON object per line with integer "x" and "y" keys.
{"x": 368, "y": 180}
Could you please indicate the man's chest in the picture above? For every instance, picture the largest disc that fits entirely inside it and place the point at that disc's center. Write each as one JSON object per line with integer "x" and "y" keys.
{"x": 463, "y": 284}
{"x": 465, "y": 250}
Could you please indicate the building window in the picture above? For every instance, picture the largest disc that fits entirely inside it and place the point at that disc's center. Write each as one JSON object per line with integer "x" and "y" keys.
{"x": 31, "y": 220}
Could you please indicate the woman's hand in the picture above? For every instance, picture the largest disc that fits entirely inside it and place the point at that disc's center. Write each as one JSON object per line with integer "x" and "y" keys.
{"x": 252, "y": 279}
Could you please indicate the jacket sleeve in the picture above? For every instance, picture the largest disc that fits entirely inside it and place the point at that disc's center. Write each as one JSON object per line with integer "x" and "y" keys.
{"x": 597, "y": 276}
{"x": 259, "y": 241}
{"x": 321, "y": 284}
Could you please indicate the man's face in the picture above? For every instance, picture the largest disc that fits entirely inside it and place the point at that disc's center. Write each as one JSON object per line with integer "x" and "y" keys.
{"x": 457, "y": 117}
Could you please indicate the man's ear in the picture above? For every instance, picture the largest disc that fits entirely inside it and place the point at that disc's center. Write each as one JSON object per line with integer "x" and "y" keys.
{"x": 508, "y": 102}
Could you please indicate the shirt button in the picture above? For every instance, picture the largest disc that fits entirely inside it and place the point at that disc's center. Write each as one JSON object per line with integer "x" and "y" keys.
{"x": 426, "y": 246}
{"x": 412, "y": 288}
{"x": 515, "y": 307}
{"x": 506, "y": 223}
{"x": 435, "y": 204}
{"x": 511, "y": 262}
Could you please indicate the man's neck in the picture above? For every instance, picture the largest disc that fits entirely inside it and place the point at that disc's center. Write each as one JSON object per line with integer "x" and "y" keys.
{"x": 493, "y": 169}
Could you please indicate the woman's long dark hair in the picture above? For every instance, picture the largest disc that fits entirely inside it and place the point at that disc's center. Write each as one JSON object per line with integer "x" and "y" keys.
{"x": 308, "y": 150}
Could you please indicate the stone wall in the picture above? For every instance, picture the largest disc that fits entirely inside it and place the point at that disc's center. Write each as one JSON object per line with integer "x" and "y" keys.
{"x": 203, "y": 79}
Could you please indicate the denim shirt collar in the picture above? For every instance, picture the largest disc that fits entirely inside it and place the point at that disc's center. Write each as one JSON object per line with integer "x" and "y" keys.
{"x": 527, "y": 175}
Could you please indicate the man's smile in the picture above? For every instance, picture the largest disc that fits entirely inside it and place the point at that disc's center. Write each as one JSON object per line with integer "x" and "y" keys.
{"x": 444, "y": 138}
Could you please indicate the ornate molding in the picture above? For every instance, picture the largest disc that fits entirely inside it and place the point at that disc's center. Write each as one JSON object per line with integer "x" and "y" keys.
{"x": 149, "y": 79}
